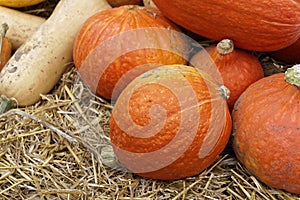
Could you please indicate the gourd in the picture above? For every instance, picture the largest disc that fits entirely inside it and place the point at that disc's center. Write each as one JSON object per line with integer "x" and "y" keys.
{"x": 252, "y": 25}
{"x": 5, "y": 46}
{"x": 116, "y": 45}
{"x": 19, "y": 3}
{"x": 117, "y": 3}
{"x": 170, "y": 122}
{"x": 238, "y": 68}
{"x": 289, "y": 55}
{"x": 38, "y": 64}
{"x": 266, "y": 121}
{"x": 21, "y": 25}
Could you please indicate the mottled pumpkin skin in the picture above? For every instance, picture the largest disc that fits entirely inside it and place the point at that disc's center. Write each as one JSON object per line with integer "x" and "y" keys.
{"x": 187, "y": 116}
{"x": 238, "y": 69}
{"x": 252, "y": 25}
{"x": 289, "y": 55}
{"x": 113, "y": 43}
{"x": 266, "y": 121}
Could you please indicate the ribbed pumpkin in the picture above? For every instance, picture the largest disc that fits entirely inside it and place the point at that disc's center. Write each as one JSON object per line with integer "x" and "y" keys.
{"x": 252, "y": 25}
{"x": 116, "y": 45}
{"x": 238, "y": 68}
{"x": 289, "y": 55}
{"x": 170, "y": 122}
{"x": 266, "y": 121}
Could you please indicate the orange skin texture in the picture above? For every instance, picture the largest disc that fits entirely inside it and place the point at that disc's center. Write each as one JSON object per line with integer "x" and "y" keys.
{"x": 116, "y": 3}
{"x": 151, "y": 93}
{"x": 238, "y": 69}
{"x": 289, "y": 55}
{"x": 103, "y": 26}
{"x": 252, "y": 25}
{"x": 266, "y": 121}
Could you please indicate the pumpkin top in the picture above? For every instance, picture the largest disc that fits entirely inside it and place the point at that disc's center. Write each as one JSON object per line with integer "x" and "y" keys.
{"x": 292, "y": 75}
{"x": 225, "y": 46}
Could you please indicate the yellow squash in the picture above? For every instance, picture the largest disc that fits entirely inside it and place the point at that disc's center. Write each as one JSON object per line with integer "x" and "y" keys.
{"x": 19, "y": 3}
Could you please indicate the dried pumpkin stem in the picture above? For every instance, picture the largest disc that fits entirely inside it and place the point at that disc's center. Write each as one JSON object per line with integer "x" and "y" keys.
{"x": 6, "y": 104}
{"x": 4, "y": 28}
{"x": 225, "y": 92}
{"x": 292, "y": 75}
{"x": 225, "y": 46}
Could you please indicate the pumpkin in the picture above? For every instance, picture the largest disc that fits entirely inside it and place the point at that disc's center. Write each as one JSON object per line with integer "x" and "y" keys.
{"x": 238, "y": 68}
{"x": 116, "y": 45}
{"x": 116, "y": 3}
{"x": 252, "y": 25}
{"x": 170, "y": 122}
{"x": 289, "y": 55}
{"x": 266, "y": 121}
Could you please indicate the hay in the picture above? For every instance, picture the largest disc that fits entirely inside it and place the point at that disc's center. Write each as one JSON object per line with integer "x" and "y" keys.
{"x": 51, "y": 151}
{"x": 59, "y": 149}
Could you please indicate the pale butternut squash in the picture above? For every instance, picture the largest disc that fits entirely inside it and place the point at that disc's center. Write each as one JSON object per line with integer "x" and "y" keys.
{"x": 38, "y": 64}
{"x": 21, "y": 25}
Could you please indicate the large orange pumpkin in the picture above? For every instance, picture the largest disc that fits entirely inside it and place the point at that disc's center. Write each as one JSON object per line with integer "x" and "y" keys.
{"x": 116, "y": 45}
{"x": 266, "y": 121}
{"x": 252, "y": 25}
{"x": 238, "y": 68}
{"x": 170, "y": 122}
{"x": 289, "y": 55}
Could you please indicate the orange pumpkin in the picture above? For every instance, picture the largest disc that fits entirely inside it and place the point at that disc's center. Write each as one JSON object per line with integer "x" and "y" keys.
{"x": 266, "y": 121}
{"x": 238, "y": 68}
{"x": 116, "y": 45}
{"x": 289, "y": 55}
{"x": 252, "y": 25}
{"x": 117, "y": 3}
{"x": 170, "y": 122}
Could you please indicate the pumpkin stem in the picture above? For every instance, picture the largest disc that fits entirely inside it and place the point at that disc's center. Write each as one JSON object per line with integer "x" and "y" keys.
{"x": 6, "y": 104}
{"x": 225, "y": 92}
{"x": 292, "y": 75}
{"x": 225, "y": 46}
{"x": 4, "y": 28}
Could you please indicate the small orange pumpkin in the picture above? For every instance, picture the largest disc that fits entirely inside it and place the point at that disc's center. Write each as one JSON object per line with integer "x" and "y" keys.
{"x": 116, "y": 45}
{"x": 238, "y": 68}
{"x": 170, "y": 122}
{"x": 266, "y": 121}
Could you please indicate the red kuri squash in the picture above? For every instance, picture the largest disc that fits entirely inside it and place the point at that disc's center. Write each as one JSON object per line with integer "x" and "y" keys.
{"x": 116, "y": 45}
{"x": 170, "y": 122}
{"x": 238, "y": 68}
{"x": 266, "y": 121}
{"x": 252, "y": 25}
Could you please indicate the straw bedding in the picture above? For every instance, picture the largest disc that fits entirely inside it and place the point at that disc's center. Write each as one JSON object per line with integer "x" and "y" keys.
{"x": 59, "y": 149}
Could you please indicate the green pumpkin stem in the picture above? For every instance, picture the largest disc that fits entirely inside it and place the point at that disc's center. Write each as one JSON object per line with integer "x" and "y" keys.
{"x": 292, "y": 75}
